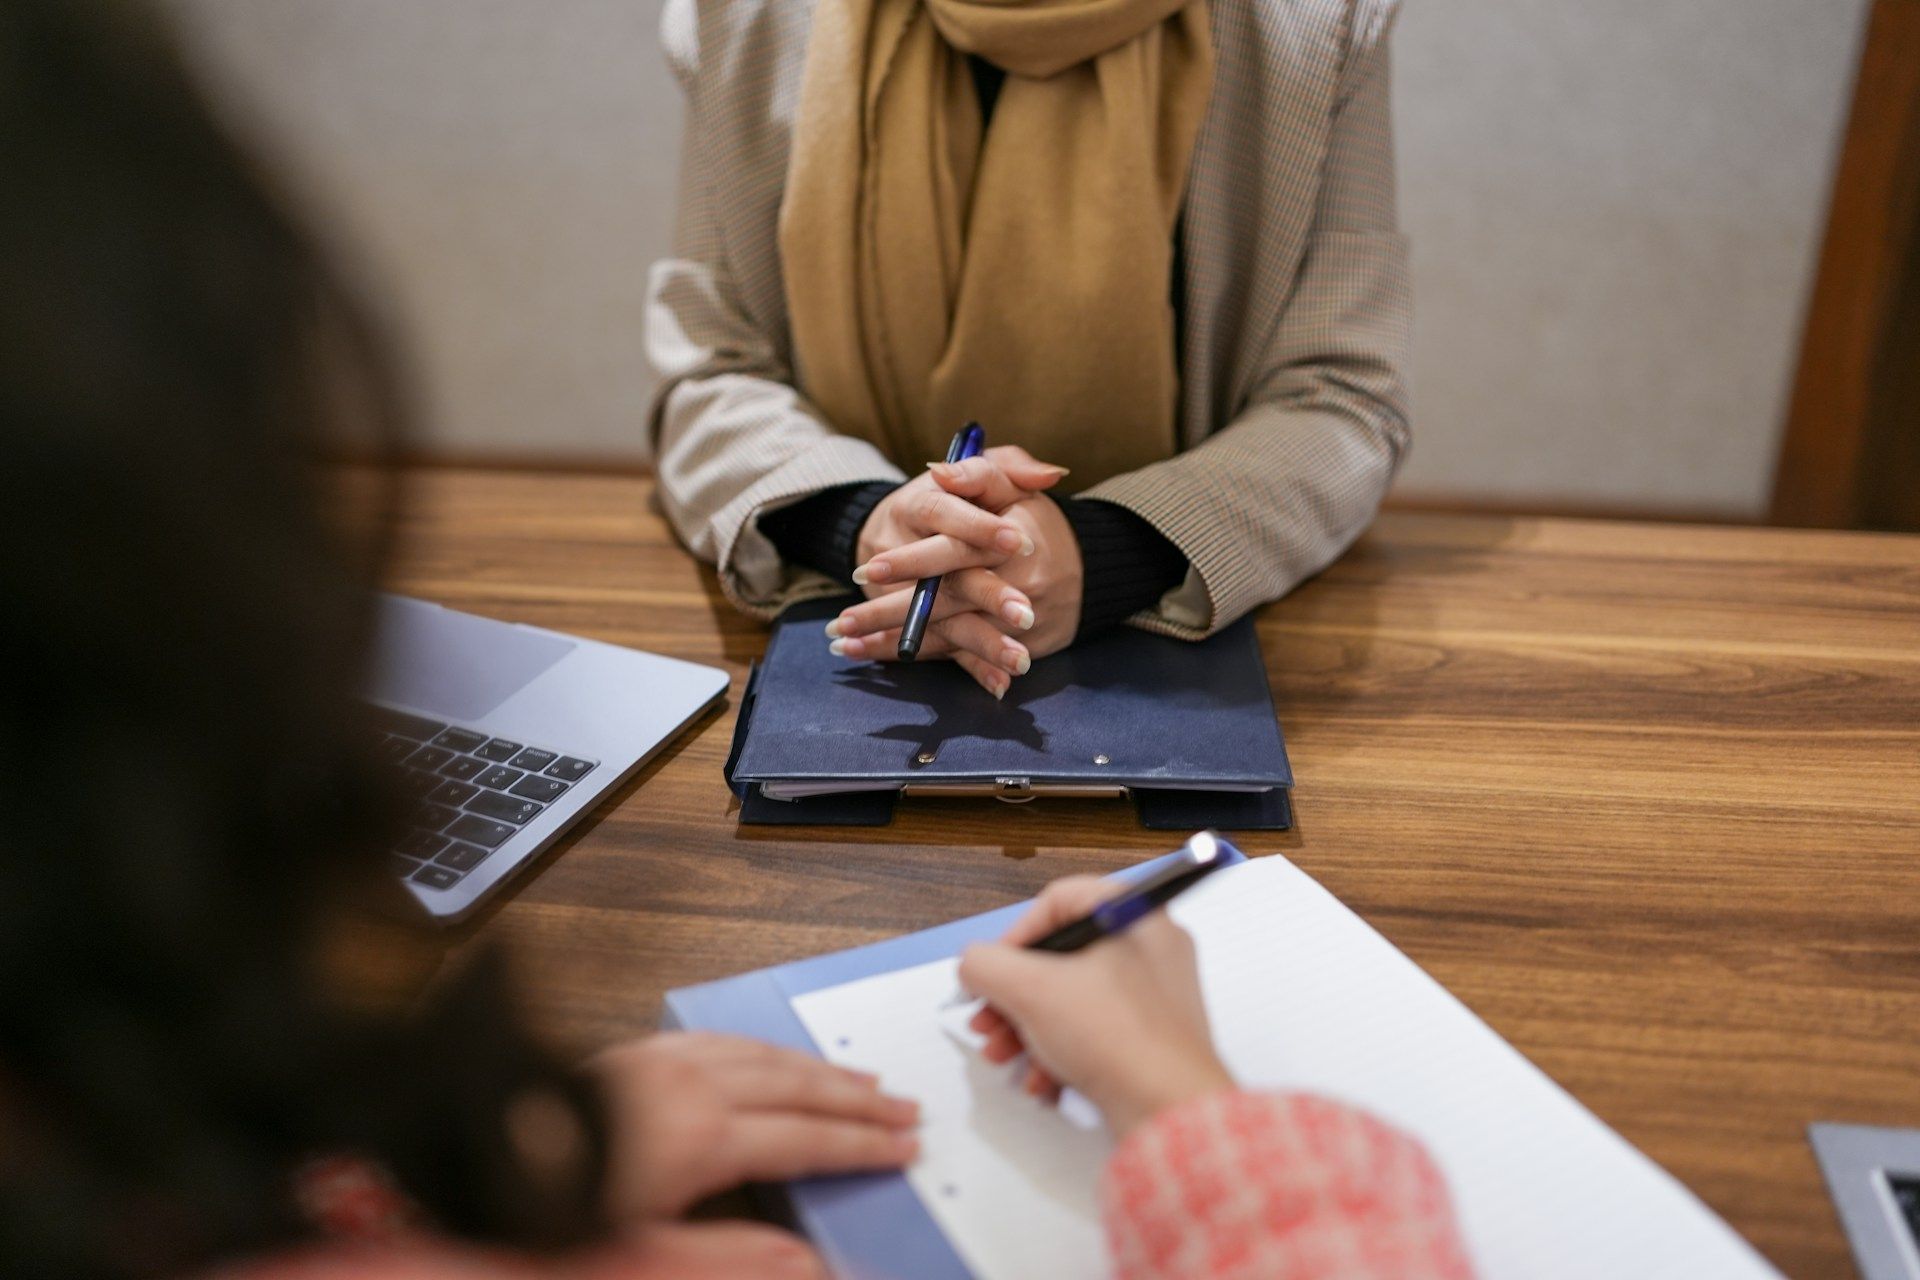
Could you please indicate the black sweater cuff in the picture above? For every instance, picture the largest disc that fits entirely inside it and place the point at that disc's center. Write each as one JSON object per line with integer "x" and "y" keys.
{"x": 1126, "y": 563}
{"x": 820, "y": 532}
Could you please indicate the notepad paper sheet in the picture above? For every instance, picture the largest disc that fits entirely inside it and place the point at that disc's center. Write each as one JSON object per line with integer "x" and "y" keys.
{"x": 1303, "y": 995}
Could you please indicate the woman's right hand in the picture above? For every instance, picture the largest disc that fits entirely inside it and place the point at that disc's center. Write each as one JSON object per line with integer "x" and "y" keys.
{"x": 1121, "y": 1021}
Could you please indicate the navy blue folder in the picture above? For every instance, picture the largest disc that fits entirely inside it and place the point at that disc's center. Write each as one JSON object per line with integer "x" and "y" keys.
{"x": 1187, "y": 729}
{"x": 865, "y": 1225}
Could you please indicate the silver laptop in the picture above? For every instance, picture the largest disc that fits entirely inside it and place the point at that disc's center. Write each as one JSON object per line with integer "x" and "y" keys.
{"x": 1874, "y": 1175}
{"x": 506, "y": 735}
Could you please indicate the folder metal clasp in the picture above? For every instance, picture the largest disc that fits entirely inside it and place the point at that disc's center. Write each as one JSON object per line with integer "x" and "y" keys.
{"x": 1014, "y": 790}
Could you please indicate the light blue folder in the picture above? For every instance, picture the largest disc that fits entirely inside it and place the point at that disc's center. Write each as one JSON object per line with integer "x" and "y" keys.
{"x": 865, "y": 1226}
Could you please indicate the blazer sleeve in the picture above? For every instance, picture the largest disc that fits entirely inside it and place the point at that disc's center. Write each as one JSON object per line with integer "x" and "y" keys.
{"x": 729, "y": 434}
{"x": 1287, "y": 485}
{"x": 1241, "y": 1186}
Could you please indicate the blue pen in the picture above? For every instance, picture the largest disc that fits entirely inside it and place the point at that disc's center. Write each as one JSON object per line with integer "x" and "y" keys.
{"x": 1203, "y": 855}
{"x": 1201, "y": 859}
{"x": 967, "y": 443}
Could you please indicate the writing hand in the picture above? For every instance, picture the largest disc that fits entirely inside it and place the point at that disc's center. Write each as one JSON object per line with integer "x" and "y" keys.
{"x": 1121, "y": 1021}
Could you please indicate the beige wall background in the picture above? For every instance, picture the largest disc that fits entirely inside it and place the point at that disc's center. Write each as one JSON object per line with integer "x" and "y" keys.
{"x": 1614, "y": 208}
{"x": 506, "y": 167}
{"x": 1616, "y": 211}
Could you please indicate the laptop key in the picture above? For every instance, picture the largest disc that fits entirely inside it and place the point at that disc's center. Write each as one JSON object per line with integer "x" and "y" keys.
{"x": 545, "y": 790}
{"x": 568, "y": 769}
{"x": 429, "y": 758}
{"x": 460, "y": 768}
{"x": 436, "y": 877}
{"x": 420, "y": 844}
{"x": 460, "y": 739}
{"x": 402, "y": 867}
{"x": 462, "y": 857}
{"x": 499, "y": 750}
{"x": 418, "y": 782}
{"x": 477, "y": 830}
{"x": 419, "y": 728}
{"x": 394, "y": 750}
{"x": 453, "y": 793}
{"x": 500, "y": 778}
{"x": 533, "y": 759}
{"x": 432, "y": 817}
{"x": 491, "y": 804}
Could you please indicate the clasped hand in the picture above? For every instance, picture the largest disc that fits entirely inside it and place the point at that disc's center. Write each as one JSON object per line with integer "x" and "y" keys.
{"x": 1010, "y": 566}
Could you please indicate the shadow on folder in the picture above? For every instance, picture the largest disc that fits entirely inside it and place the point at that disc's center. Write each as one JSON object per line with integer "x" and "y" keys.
{"x": 1009, "y": 720}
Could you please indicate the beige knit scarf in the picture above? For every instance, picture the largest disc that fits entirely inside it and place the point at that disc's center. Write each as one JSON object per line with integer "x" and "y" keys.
{"x": 937, "y": 273}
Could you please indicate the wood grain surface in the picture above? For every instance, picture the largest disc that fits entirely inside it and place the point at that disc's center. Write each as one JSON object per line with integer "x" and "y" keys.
{"x": 1646, "y": 797}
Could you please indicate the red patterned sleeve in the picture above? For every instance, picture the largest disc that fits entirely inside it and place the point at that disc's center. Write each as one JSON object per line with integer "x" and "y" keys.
{"x": 1257, "y": 1186}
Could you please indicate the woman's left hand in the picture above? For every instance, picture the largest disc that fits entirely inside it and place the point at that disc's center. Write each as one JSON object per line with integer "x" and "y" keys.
{"x": 965, "y": 626}
{"x": 695, "y": 1113}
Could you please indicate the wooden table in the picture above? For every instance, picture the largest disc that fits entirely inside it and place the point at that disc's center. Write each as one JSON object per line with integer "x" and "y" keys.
{"x": 1646, "y": 797}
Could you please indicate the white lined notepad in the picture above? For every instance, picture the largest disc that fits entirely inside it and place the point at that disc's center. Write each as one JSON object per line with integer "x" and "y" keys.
{"x": 1302, "y": 995}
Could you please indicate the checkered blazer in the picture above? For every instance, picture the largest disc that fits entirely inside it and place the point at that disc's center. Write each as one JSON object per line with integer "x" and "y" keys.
{"x": 1294, "y": 312}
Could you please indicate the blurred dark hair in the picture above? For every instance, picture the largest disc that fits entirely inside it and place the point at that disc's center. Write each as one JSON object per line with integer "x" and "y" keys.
{"x": 185, "y": 791}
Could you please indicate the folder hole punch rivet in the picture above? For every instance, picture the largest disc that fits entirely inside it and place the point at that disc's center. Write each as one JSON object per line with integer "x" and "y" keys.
{"x": 1101, "y": 759}
{"x": 925, "y": 757}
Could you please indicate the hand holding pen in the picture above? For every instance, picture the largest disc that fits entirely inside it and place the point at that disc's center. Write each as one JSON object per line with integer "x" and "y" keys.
{"x": 1121, "y": 1019}
{"x": 968, "y": 442}
{"x": 997, "y": 608}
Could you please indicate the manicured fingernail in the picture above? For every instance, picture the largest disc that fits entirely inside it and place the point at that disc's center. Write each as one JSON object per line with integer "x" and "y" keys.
{"x": 833, "y": 628}
{"x": 871, "y": 571}
{"x": 838, "y": 648}
{"x": 1020, "y": 660}
{"x": 1059, "y": 470}
{"x": 1018, "y": 614}
{"x": 1011, "y": 540}
{"x": 1026, "y": 545}
{"x": 942, "y": 469}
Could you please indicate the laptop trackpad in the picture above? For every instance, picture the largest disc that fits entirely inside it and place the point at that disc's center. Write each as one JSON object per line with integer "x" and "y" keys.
{"x": 455, "y": 665}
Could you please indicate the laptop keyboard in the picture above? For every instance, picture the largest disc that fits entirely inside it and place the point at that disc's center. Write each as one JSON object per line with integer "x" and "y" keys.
{"x": 1906, "y": 1197}
{"x": 472, "y": 793}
